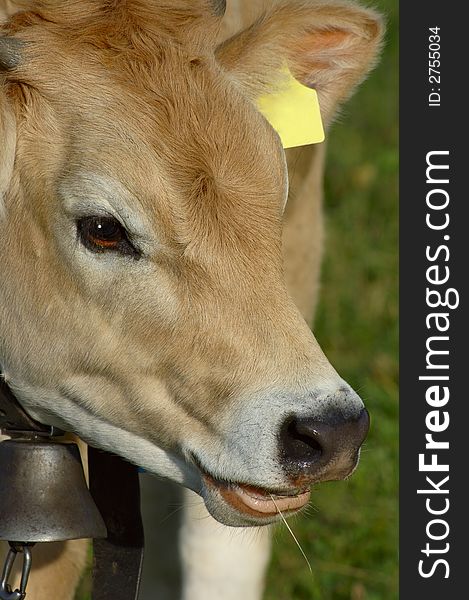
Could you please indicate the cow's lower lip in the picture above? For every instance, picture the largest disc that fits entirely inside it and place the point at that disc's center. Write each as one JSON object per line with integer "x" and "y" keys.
{"x": 258, "y": 502}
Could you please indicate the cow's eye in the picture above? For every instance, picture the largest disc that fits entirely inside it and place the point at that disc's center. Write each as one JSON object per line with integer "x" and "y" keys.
{"x": 105, "y": 234}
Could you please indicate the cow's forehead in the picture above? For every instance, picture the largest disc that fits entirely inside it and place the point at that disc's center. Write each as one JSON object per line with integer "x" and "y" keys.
{"x": 174, "y": 130}
{"x": 173, "y": 100}
{"x": 191, "y": 134}
{"x": 193, "y": 117}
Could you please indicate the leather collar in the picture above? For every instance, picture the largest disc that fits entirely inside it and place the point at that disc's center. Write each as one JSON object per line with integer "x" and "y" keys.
{"x": 14, "y": 420}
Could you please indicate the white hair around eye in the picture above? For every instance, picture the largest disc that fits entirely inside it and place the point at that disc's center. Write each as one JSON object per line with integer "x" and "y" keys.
{"x": 86, "y": 194}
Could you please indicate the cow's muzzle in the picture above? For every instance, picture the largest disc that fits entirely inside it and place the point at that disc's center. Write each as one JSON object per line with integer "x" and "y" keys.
{"x": 322, "y": 449}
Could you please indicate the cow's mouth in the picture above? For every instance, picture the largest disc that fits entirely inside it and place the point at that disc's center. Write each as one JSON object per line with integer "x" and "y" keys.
{"x": 258, "y": 502}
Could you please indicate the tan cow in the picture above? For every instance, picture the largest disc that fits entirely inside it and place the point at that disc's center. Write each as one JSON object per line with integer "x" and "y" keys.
{"x": 143, "y": 298}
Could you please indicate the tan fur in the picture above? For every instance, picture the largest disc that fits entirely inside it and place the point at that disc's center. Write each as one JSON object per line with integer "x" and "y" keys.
{"x": 57, "y": 566}
{"x": 152, "y": 99}
{"x": 7, "y": 8}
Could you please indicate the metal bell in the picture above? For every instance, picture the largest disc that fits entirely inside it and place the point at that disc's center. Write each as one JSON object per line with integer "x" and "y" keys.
{"x": 43, "y": 493}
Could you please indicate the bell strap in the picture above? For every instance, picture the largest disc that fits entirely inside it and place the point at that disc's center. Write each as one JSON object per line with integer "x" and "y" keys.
{"x": 14, "y": 419}
{"x": 118, "y": 559}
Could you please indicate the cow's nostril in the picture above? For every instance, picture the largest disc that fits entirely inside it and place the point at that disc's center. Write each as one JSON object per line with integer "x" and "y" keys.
{"x": 325, "y": 448}
{"x": 300, "y": 444}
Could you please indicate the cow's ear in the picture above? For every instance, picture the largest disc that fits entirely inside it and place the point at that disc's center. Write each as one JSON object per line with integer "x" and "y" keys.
{"x": 329, "y": 45}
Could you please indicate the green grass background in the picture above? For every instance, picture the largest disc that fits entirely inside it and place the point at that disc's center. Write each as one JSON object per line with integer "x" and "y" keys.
{"x": 351, "y": 532}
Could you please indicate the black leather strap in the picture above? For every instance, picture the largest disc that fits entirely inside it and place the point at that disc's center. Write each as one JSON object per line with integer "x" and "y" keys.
{"x": 14, "y": 419}
{"x": 118, "y": 559}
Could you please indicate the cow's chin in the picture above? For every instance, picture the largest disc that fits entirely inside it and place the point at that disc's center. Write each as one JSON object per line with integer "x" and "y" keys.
{"x": 240, "y": 505}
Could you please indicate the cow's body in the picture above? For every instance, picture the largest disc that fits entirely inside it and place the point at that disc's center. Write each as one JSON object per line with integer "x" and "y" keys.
{"x": 212, "y": 554}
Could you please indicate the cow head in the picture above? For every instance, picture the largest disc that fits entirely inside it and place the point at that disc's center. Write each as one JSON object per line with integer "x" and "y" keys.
{"x": 142, "y": 300}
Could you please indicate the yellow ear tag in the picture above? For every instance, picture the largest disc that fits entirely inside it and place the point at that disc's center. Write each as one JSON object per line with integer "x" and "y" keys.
{"x": 294, "y": 113}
